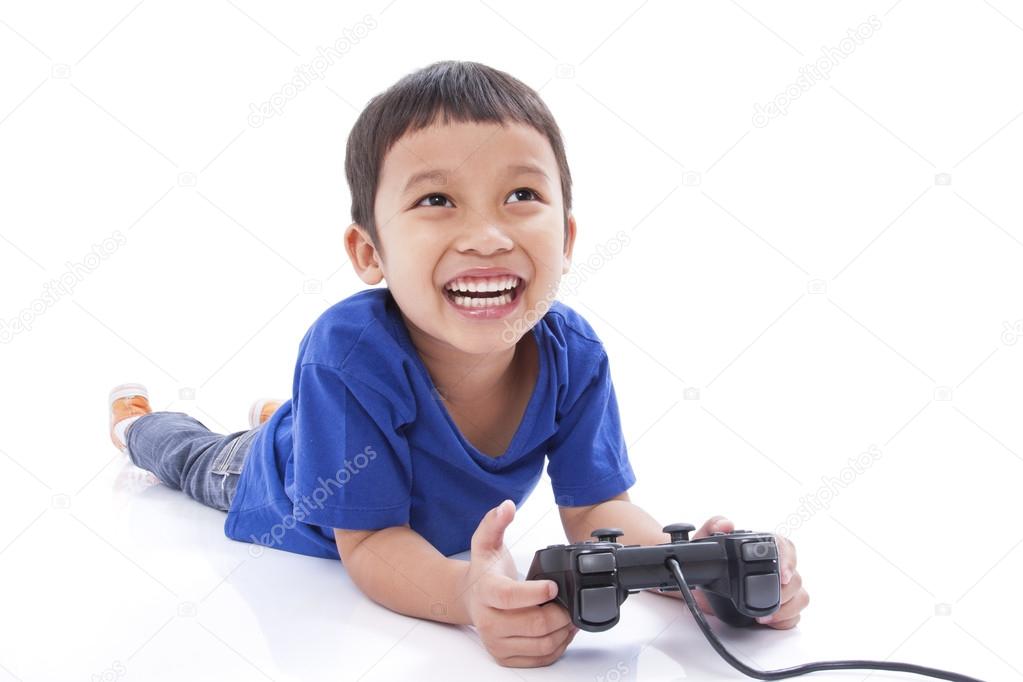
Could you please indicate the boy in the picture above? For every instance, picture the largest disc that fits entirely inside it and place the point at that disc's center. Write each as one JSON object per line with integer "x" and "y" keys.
{"x": 422, "y": 411}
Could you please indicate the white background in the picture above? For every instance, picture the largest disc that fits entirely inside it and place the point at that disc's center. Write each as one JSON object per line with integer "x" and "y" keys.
{"x": 845, "y": 277}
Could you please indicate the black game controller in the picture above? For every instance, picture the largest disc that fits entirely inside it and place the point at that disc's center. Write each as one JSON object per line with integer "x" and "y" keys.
{"x": 737, "y": 571}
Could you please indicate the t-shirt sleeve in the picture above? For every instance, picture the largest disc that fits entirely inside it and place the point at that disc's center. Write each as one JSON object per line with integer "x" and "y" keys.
{"x": 351, "y": 468}
{"x": 588, "y": 462}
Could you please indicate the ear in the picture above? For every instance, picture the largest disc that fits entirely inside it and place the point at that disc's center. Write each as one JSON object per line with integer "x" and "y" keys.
{"x": 569, "y": 245}
{"x": 364, "y": 256}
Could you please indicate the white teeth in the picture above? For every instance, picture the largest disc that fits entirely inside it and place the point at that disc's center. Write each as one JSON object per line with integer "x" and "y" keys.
{"x": 500, "y": 284}
{"x": 468, "y": 302}
{"x": 490, "y": 284}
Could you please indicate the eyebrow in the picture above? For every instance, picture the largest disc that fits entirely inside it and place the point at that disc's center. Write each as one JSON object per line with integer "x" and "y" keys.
{"x": 511, "y": 171}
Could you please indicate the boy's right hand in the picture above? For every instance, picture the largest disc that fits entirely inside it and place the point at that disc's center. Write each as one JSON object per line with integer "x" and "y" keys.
{"x": 517, "y": 625}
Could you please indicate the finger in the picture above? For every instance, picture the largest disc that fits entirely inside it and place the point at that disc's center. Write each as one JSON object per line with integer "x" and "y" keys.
{"x": 786, "y": 558}
{"x": 536, "y": 647}
{"x": 788, "y": 610}
{"x": 792, "y": 607}
{"x": 792, "y": 588}
{"x": 785, "y": 624}
{"x": 715, "y": 524}
{"x": 489, "y": 534}
{"x": 502, "y": 592}
{"x": 535, "y": 621}
{"x": 535, "y": 661}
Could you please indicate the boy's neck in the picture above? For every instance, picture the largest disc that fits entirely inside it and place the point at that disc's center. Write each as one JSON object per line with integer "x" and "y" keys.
{"x": 466, "y": 378}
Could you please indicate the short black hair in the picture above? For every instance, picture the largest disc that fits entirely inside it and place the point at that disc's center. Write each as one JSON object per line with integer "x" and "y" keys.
{"x": 459, "y": 91}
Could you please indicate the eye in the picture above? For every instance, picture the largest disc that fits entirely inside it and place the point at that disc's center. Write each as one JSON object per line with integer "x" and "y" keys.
{"x": 517, "y": 196}
{"x": 523, "y": 190}
{"x": 432, "y": 203}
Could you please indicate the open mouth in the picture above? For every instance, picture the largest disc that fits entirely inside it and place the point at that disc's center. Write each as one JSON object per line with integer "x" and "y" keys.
{"x": 484, "y": 292}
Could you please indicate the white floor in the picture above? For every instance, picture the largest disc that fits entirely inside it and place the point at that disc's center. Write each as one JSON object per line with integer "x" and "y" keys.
{"x": 126, "y": 579}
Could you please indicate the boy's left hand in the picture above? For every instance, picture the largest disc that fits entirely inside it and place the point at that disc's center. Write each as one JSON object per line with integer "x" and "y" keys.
{"x": 793, "y": 597}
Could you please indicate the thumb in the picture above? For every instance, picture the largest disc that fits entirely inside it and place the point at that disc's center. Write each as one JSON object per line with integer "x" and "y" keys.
{"x": 715, "y": 524}
{"x": 489, "y": 535}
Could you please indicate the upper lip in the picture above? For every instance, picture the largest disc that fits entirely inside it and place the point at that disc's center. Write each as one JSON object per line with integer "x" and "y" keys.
{"x": 484, "y": 272}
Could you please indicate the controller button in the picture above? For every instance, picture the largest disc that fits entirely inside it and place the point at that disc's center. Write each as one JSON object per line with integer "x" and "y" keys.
{"x": 598, "y": 604}
{"x": 607, "y": 534}
{"x": 679, "y": 532}
{"x": 759, "y": 551}
{"x": 597, "y": 562}
{"x": 762, "y": 591}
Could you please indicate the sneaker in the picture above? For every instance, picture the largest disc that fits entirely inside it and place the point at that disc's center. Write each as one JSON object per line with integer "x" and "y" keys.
{"x": 261, "y": 410}
{"x": 125, "y": 401}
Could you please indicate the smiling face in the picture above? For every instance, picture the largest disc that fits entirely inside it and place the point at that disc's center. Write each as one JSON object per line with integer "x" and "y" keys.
{"x": 460, "y": 200}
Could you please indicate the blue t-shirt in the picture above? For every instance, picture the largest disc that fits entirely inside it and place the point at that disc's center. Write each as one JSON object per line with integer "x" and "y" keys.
{"x": 366, "y": 443}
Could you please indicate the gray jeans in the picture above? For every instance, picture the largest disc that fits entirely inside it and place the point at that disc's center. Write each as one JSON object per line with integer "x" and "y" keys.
{"x": 185, "y": 455}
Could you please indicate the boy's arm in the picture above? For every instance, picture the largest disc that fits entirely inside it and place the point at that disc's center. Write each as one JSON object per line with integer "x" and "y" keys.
{"x": 397, "y": 568}
{"x": 618, "y": 512}
{"x": 516, "y": 620}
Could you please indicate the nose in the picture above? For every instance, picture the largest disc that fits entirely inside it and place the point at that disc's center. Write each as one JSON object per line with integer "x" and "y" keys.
{"x": 484, "y": 236}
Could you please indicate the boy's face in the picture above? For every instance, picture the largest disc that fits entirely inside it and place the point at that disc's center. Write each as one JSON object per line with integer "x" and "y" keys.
{"x": 490, "y": 198}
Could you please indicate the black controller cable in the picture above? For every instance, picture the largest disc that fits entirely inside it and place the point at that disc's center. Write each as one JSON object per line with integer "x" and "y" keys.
{"x": 799, "y": 669}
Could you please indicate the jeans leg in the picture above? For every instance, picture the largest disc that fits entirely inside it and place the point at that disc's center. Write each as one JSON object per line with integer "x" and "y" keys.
{"x": 185, "y": 455}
